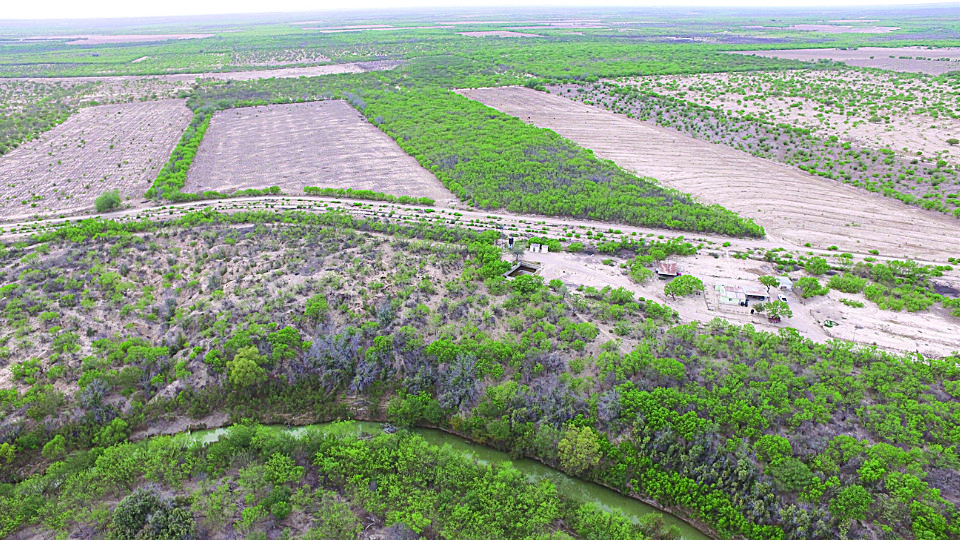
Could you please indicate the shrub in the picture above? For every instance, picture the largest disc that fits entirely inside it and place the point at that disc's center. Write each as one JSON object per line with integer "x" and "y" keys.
{"x": 847, "y": 283}
{"x": 108, "y": 201}
{"x": 817, "y": 266}
{"x": 146, "y": 514}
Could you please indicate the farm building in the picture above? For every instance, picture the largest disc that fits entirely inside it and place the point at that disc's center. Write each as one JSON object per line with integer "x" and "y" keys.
{"x": 667, "y": 270}
{"x": 730, "y": 295}
{"x": 740, "y": 295}
{"x": 784, "y": 283}
{"x": 756, "y": 293}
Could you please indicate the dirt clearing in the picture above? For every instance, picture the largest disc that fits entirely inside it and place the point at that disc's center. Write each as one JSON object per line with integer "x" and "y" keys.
{"x": 322, "y": 144}
{"x": 909, "y": 59}
{"x": 791, "y": 205}
{"x": 96, "y": 150}
{"x": 932, "y": 333}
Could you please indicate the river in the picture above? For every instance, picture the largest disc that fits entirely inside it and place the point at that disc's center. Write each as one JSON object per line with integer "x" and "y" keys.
{"x": 571, "y": 488}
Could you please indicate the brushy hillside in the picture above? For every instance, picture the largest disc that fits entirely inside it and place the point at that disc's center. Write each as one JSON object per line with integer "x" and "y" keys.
{"x": 115, "y": 330}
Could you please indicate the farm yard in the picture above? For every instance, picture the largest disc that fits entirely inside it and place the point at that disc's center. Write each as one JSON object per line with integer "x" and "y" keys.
{"x": 929, "y": 60}
{"x": 319, "y": 144}
{"x": 98, "y": 149}
{"x": 791, "y": 205}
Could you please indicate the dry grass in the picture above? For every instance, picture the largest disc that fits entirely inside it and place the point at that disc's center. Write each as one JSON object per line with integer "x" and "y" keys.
{"x": 98, "y": 149}
{"x": 323, "y": 144}
{"x": 793, "y": 206}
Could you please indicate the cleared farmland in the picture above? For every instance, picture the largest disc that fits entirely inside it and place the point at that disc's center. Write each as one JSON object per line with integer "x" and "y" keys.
{"x": 791, "y": 205}
{"x": 909, "y": 59}
{"x": 833, "y": 102}
{"x": 96, "y": 150}
{"x": 323, "y": 144}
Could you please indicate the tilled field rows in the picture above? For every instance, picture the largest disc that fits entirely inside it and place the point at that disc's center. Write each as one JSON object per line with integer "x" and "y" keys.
{"x": 96, "y": 150}
{"x": 322, "y": 144}
{"x": 791, "y": 205}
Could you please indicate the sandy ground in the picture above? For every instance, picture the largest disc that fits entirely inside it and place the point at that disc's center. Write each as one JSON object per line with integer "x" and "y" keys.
{"x": 96, "y": 150}
{"x": 817, "y": 105}
{"x": 917, "y": 59}
{"x": 322, "y": 144}
{"x": 793, "y": 207}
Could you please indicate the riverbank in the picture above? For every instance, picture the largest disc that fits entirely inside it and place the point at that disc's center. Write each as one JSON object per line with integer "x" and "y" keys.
{"x": 582, "y": 490}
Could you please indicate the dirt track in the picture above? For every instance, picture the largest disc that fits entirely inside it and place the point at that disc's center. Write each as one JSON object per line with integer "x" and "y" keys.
{"x": 792, "y": 206}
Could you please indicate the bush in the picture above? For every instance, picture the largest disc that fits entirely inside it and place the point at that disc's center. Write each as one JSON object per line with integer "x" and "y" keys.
{"x": 146, "y": 514}
{"x": 817, "y": 266}
{"x": 108, "y": 201}
{"x": 847, "y": 283}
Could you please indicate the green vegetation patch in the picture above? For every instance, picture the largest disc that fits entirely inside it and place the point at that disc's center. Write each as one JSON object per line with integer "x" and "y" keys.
{"x": 493, "y": 160}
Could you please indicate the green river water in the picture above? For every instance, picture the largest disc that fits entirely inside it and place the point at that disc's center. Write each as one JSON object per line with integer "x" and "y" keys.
{"x": 571, "y": 488}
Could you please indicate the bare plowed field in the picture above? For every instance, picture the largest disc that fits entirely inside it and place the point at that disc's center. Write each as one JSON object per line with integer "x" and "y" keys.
{"x": 909, "y": 59}
{"x": 791, "y": 205}
{"x": 96, "y": 150}
{"x": 323, "y": 144}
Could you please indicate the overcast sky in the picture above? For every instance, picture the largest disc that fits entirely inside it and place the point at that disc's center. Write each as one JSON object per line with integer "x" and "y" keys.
{"x": 69, "y": 9}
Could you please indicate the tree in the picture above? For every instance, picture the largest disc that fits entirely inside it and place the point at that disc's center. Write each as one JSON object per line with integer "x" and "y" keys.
{"x": 244, "y": 369}
{"x": 683, "y": 286}
{"x": 953, "y": 141}
{"x": 108, "y": 201}
{"x": 769, "y": 281}
{"x": 810, "y": 286}
{"x": 579, "y": 449}
{"x": 778, "y": 309}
